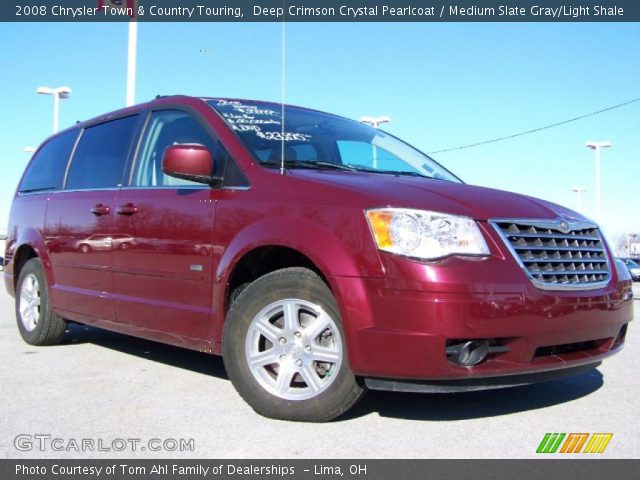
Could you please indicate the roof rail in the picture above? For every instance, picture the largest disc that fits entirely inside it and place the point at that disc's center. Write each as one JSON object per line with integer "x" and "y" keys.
{"x": 166, "y": 96}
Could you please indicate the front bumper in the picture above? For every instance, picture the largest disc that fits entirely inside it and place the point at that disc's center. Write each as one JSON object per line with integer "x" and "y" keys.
{"x": 476, "y": 383}
{"x": 399, "y": 327}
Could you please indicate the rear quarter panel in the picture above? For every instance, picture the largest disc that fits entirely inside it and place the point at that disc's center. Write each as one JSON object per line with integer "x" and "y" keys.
{"x": 26, "y": 222}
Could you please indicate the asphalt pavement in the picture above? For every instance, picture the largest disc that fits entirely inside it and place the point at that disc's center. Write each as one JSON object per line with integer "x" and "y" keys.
{"x": 108, "y": 390}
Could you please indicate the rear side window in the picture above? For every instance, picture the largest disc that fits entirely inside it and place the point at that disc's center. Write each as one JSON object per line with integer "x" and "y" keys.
{"x": 46, "y": 170}
{"x": 101, "y": 155}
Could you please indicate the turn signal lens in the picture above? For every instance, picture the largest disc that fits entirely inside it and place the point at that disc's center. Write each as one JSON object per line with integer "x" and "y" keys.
{"x": 380, "y": 221}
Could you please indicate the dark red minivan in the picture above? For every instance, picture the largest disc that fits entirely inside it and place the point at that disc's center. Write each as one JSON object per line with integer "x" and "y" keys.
{"x": 318, "y": 255}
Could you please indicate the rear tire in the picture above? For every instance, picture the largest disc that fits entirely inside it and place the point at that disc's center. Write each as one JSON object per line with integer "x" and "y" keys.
{"x": 284, "y": 348}
{"x": 37, "y": 323}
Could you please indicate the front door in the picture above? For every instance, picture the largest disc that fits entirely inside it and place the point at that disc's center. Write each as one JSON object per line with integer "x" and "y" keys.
{"x": 163, "y": 258}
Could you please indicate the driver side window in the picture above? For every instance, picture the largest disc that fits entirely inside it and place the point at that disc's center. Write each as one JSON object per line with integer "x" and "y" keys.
{"x": 166, "y": 128}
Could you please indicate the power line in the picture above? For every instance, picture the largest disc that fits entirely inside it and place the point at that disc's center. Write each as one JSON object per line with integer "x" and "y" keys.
{"x": 534, "y": 130}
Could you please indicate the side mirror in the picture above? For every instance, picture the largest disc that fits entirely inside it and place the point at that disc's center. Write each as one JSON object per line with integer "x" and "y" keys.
{"x": 190, "y": 161}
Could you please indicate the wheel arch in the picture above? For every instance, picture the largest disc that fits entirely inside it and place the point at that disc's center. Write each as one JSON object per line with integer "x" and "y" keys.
{"x": 29, "y": 245}
{"x": 263, "y": 260}
{"x": 23, "y": 254}
{"x": 265, "y": 247}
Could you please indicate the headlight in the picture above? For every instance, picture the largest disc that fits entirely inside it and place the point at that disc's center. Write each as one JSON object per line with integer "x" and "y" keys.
{"x": 426, "y": 235}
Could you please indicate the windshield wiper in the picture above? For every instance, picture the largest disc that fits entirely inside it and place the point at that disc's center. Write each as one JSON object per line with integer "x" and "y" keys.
{"x": 334, "y": 166}
{"x": 323, "y": 165}
{"x": 314, "y": 164}
{"x": 33, "y": 190}
{"x": 362, "y": 168}
{"x": 286, "y": 163}
{"x": 406, "y": 173}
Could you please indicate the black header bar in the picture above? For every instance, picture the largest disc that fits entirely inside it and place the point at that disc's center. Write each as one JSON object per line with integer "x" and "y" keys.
{"x": 319, "y": 11}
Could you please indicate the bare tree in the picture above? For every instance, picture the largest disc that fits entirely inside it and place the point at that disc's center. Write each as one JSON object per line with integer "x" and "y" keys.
{"x": 620, "y": 245}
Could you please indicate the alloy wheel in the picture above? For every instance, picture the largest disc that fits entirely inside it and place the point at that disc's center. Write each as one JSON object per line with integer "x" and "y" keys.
{"x": 293, "y": 349}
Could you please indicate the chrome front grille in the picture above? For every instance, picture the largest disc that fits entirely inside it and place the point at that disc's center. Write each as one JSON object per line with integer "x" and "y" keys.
{"x": 558, "y": 254}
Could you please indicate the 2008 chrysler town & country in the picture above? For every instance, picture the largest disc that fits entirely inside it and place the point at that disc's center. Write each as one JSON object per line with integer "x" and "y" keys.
{"x": 320, "y": 257}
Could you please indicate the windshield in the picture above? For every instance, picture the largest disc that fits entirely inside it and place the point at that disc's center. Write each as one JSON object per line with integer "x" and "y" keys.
{"x": 320, "y": 140}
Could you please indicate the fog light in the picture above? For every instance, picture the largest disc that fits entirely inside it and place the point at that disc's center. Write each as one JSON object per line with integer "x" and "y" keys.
{"x": 468, "y": 353}
{"x": 621, "y": 336}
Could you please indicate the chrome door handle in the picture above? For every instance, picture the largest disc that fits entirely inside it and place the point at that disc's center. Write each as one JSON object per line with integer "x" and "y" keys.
{"x": 127, "y": 209}
{"x": 100, "y": 210}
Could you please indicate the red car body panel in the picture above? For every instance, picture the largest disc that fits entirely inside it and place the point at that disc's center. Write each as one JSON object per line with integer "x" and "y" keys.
{"x": 171, "y": 284}
{"x": 81, "y": 279}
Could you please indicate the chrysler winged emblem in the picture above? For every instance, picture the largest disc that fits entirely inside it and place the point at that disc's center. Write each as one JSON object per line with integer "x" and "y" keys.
{"x": 564, "y": 227}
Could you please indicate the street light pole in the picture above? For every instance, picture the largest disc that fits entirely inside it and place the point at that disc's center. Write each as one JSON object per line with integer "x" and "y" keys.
{"x": 375, "y": 122}
{"x": 597, "y": 146}
{"x": 131, "y": 62}
{"x": 56, "y": 113}
{"x": 578, "y": 191}
{"x": 58, "y": 93}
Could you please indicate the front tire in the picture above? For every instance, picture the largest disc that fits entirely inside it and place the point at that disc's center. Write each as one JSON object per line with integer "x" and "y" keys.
{"x": 37, "y": 323}
{"x": 284, "y": 348}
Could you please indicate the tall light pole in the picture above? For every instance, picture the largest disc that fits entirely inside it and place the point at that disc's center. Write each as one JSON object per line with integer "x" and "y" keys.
{"x": 578, "y": 191}
{"x": 131, "y": 62}
{"x": 58, "y": 93}
{"x": 597, "y": 146}
{"x": 117, "y": 7}
{"x": 375, "y": 122}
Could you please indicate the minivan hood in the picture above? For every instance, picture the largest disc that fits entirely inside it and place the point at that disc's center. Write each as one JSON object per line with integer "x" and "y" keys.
{"x": 480, "y": 203}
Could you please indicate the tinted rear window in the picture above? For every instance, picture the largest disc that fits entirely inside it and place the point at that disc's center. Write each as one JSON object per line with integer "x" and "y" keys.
{"x": 46, "y": 170}
{"x": 101, "y": 155}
